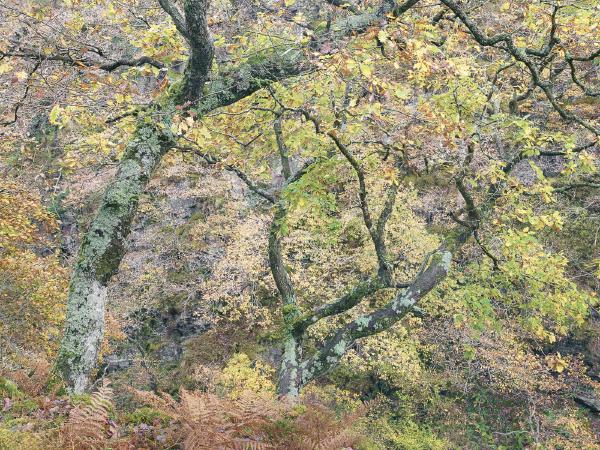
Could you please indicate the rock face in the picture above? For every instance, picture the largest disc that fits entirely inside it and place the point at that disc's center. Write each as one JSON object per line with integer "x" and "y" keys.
{"x": 155, "y": 296}
{"x": 589, "y": 399}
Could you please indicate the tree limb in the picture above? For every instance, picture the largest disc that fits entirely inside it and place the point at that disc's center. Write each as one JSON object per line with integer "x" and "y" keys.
{"x": 434, "y": 269}
{"x": 520, "y": 55}
{"x": 80, "y": 62}
{"x": 213, "y": 160}
{"x": 283, "y": 150}
{"x": 176, "y": 16}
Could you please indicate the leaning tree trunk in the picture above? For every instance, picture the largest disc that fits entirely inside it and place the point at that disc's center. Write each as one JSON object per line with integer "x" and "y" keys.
{"x": 100, "y": 254}
{"x": 102, "y": 248}
{"x": 328, "y": 355}
{"x": 104, "y": 244}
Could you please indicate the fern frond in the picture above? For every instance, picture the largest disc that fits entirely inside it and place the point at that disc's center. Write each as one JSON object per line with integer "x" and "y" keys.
{"x": 206, "y": 421}
{"x": 89, "y": 427}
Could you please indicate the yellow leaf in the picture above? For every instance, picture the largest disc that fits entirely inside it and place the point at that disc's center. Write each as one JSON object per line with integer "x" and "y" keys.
{"x": 21, "y": 75}
{"x": 4, "y": 68}
{"x": 54, "y": 113}
{"x": 383, "y": 36}
{"x": 556, "y": 363}
{"x": 366, "y": 69}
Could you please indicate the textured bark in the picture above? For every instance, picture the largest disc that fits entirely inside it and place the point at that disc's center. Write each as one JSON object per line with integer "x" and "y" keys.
{"x": 295, "y": 372}
{"x": 201, "y": 50}
{"x": 104, "y": 244}
{"x": 348, "y": 301}
{"x": 288, "y": 385}
{"x": 102, "y": 248}
{"x": 100, "y": 254}
{"x": 289, "y": 379}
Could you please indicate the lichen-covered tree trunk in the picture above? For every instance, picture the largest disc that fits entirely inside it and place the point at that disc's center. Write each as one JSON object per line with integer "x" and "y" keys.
{"x": 289, "y": 376}
{"x": 289, "y": 372}
{"x": 104, "y": 244}
{"x": 434, "y": 270}
{"x": 100, "y": 254}
{"x": 102, "y": 248}
{"x": 296, "y": 373}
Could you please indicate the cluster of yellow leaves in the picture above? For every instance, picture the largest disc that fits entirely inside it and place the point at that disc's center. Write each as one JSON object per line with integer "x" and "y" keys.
{"x": 21, "y": 216}
{"x": 34, "y": 286}
{"x": 391, "y": 356}
{"x": 240, "y": 280}
{"x": 241, "y": 375}
{"x": 556, "y": 363}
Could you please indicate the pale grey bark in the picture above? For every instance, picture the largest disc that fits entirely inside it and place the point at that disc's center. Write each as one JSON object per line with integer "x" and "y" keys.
{"x": 100, "y": 254}
{"x": 435, "y": 269}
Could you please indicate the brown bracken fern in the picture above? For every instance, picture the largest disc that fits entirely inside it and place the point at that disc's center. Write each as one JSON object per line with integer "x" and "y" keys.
{"x": 320, "y": 428}
{"x": 252, "y": 422}
{"x": 206, "y": 421}
{"x": 89, "y": 426}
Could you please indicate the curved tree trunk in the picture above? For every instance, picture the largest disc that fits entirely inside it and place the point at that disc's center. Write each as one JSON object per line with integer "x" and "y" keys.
{"x": 104, "y": 244}
{"x": 100, "y": 254}
{"x": 296, "y": 372}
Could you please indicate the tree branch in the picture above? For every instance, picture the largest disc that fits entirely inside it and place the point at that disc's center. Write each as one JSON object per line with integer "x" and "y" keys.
{"x": 343, "y": 304}
{"x": 80, "y": 62}
{"x": 283, "y": 150}
{"x": 519, "y": 55}
{"x": 23, "y": 97}
{"x": 552, "y": 41}
{"x": 570, "y": 61}
{"x": 176, "y": 16}
{"x": 201, "y": 50}
{"x": 434, "y": 269}
{"x": 213, "y": 160}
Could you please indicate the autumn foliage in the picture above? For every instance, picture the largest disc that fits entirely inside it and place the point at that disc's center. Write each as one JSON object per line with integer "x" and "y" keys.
{"x": 299, "y": 225}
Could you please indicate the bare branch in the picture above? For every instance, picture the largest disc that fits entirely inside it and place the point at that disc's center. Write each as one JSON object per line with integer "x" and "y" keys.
{"x": 519, "y": 55}
{"x": 402, "y": 8}
{"x": 82, "y": 62}
{"x": 176, "y": 16}
{"x": 570, "y": 61}
{"x": 552, "y": 41}
{"x": 362, "y": 193}
{"x": 213, "y": 160}
{"x": 377, "y": 235}
{"x": 485, "y": 250}
{"x": 23, "y": 97}
{"x": 276, "y": 262}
